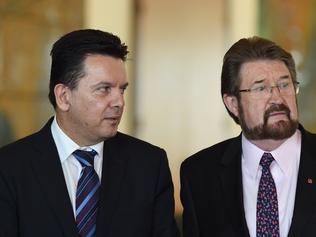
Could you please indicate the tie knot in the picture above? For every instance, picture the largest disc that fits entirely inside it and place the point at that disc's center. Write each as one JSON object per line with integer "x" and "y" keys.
{"x": 266, "y": 160}
{"x": 85, "y": 158}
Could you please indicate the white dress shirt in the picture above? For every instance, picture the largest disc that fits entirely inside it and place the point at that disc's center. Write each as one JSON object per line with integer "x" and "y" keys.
{"x": 70, "y": 165}
{"x": 284, "y": 170}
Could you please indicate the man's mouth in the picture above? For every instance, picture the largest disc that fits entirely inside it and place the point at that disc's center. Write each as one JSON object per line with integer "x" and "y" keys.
{"x": 277, "y": 110}
{"x": 114, "y": 118}
{"x": 277, "y": 113}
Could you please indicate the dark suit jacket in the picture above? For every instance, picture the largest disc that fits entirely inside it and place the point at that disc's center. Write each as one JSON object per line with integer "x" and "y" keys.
{"x": 212, "y": 195}
{"x": 136, "y": 190}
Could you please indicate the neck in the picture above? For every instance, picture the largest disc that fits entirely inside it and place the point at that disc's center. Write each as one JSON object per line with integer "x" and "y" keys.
{"x": 72, "y": 133}
{"x": 268, "y": 144}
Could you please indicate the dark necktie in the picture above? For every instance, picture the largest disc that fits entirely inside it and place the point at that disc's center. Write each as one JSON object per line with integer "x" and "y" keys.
{"x": 87, "y": 195}
{"x": 267, "y": 201}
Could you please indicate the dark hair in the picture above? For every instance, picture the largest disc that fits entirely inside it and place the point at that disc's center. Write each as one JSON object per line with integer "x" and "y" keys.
{"x": 70, "y": 51}
{"x": 247, "y": 50}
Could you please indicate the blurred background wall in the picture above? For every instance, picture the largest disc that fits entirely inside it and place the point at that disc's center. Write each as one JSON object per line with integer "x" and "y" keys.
{"x": 174, "y": 66}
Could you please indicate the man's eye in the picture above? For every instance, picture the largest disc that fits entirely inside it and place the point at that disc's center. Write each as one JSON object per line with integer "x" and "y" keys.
{"x": 284, "y": 85}
{"x": 123, "y": 90}
{"x": 259, "y": 88}
{"x": 104, "y": 89}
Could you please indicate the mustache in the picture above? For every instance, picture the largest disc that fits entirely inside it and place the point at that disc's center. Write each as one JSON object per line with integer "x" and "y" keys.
{"x": 277, "y": 108}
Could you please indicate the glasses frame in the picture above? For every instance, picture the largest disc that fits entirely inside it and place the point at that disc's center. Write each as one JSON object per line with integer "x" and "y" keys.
{"x": 295, "y": 84}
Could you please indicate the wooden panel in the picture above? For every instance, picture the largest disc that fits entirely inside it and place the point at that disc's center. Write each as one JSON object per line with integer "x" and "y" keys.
{"x": 27, "y": 30}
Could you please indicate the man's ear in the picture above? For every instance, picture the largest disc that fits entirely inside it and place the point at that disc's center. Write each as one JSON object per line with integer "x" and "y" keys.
{"x": 62, "y": 95}
{"x": 231, "y": 103}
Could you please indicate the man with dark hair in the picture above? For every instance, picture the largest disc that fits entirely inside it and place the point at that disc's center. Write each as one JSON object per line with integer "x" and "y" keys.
{"x": 78, "y": 176}
{"x": 261, "y": 183}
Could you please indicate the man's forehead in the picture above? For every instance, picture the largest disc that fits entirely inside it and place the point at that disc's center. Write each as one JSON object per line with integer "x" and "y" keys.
{"x": 264, "y": 69}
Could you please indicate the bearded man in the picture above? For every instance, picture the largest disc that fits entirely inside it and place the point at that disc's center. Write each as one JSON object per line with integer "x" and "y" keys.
{"x": 261, "y": 183}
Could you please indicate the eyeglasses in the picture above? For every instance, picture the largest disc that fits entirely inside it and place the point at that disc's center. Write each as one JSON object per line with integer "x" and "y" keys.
{"x": 261, "y": 91}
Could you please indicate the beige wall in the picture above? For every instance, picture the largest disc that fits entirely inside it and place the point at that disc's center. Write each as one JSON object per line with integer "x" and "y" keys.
{"x": 180, "y": 50}
{"x": 243, "y": 15}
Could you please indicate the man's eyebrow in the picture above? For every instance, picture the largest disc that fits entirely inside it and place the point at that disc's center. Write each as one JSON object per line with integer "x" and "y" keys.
{"x": 258, "y": 81}
{"x": 284, "y": 77}
{"x": 262, "y": 80}
{"x": 103, "y": 83}
{"x": 125, "y": 85}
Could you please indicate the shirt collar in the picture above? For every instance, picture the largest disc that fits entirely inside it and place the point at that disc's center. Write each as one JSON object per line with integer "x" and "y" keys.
{"x": 66, "y": 146}
{"x": 286, "y": 155}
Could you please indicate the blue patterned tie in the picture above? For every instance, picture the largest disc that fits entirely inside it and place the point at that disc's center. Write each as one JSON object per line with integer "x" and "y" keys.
{"x": 267, "y": 201}
{"x": 87, "y": 195}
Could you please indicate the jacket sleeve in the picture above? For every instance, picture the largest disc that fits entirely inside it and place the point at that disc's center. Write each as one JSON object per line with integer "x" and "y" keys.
{"x": 189, "y": 220}
{"x": 164, "y": 224}
{"x": 8, "y": 209}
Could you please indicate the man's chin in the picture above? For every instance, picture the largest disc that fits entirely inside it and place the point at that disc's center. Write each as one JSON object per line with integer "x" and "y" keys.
{"x": 108, "y": 134}
{"x": 279, "y": 125}
{"x": 280, "y": 130}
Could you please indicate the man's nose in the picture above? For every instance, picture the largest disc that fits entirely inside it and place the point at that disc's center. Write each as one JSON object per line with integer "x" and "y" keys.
{"x": 274, "y": 88}
{"x": 275, "y": 94}
{"x": 117, "y": 99}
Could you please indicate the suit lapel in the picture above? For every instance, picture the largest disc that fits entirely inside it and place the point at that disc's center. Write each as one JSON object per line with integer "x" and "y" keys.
{"x": 48, "y": 170}
{"x": 306, "y": 186}
{"x": 114, "y": 165}
{"x": 232, "y": 186}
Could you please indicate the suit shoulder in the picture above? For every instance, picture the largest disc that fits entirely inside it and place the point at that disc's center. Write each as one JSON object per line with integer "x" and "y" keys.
{"x": 309, "y": 135}
{"x": 210, "y": 154}
{"x": 39, "y": 137}
{"x": 136, "y": 143}
{"x": 18, "y": 146}
{"x": 308, "y": 140}
{"x": 18, "y": 153}
{"x": 140, "y": 152}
